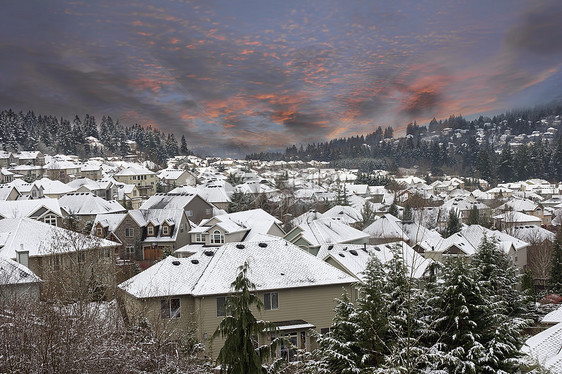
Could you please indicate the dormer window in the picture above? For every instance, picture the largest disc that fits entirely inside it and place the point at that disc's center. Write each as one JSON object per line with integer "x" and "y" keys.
{"x": 165, "y": 230}
{"x": 50, "y": 220}
{"x": 150, "y": 230}
{"x": 217, "y": 237}
{"x": 99, "y": 231}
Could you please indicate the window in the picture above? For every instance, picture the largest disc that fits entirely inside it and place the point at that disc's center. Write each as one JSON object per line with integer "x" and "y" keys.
{"x": 130, "y": 251}
{"x": 189, "y": 213}
{"x": 271, "y": 301}
{"x": 134, "y": 192}
{"x": 165, "y": 230}
{"x": 170, "y": 308}
{"x": 129, "y": 232}
{"x": 217, "y": 237}
{"x": 56, "y": 262}
{"x": 221, "y": 306}
{"x": 150, "y": 230}
{"x": 99, "y": 231}
{"x": 208, "y": 212}
{"x": 50, "y": 219}
{"x": 199, "y": 238}
{"x": 105, "y": 252}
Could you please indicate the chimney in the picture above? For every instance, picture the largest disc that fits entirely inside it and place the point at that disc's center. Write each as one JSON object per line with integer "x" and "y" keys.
{"x": 22, "y": 256}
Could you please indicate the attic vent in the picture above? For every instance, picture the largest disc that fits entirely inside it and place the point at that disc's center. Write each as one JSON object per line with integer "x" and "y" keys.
{"x": 282, "y": 273}
{"x": 240, "y": 246}
{"x": 353, "y": 252}
{"x": 345, "y": 248}
{"x": 176, "y": 262}
{"x": 341, "y": 254}
{"x": 209, "y": 253}
{"x": 263, "y": 245}
{"x": 23, "y": 274}
{"x": 377, "y": 249}
{"x": 330, "y": 247}
{"x": 195, "y": 262}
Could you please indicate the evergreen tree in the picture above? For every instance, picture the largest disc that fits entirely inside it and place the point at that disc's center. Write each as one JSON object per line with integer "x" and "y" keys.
{"x": 505, "y": 166}
{"x": 239, "y": 328}
{"x": 473, "y": 216}
{"x": 368, "y": 215}
{"x": 556, "y": 269}
{"x": 240, "y": 201}
{"x": 407, "y": 215}
{"x": 393, "y": 210}
{"x": 453, "y": 224}
{"x": 183, "y": 146}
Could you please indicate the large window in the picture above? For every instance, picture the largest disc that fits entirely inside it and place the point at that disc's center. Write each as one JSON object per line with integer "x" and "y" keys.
{"x": 271, "y": 300}
{"x": 129, "y": 232}
{"x": 50, "y": 219}
{"x": 221, "y": 306}
{"x": 199, "y": 238}
{"x": 217, "y": 237}
{"x": 170, "y": 308}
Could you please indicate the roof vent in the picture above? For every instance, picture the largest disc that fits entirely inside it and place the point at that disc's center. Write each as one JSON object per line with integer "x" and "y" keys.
{"x": 282, "y": 273}
{"x": 330, "y": 247}
{"x": 345, "y": 248}
{"x": 176, "y": 262}
{"x": 195, "y": 262}
{"x": 209, "y": 253}
{"x": 377, "y": 249}
{"x": 353, "y": 252}
{"x": 263, "y": 245}
{"x": 341, "y": 254}
{"x": 240, "y": 246}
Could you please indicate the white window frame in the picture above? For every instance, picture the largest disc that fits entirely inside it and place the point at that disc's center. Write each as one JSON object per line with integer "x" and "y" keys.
{"x": 217, "y": 237}
{"x": 50, "y": 219}
{"x": 150, "y": 230}
{"x": 129, "y": 232}
{"x": 165, "y": 230}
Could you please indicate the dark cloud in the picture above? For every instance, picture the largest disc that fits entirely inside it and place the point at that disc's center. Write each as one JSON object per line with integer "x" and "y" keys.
{"x": 421, "y": 103}
{"x": 538, "y": 30}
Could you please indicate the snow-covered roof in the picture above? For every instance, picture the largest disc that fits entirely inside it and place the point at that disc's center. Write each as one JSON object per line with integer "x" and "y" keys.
{"x": 328, "y": 231}
{"x": 273, "y": 265}
{"x": 168, "y": 201}
{"x": 85, "y": 203}
{"x": 5, "y": 191}
{"x": 134, "y": 170}
{"x": 532, "y": 234}
{"x": 354, "y": 258}
{"x": 53, "y": 186}
{"x": 12, "y": 272}
{"x": 553, "y": 317}
{"x": 386, "y": 226}
{"x": 546, "y": 348}
{"x": 46, "y": 239}
{"x": 345, "y": 214}
{"x": 25, "y": 208}
{"x": 515, "y": 217}
{"x": 470, "y": 237}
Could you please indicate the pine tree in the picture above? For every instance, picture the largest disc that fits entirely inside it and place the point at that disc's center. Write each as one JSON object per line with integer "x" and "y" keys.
{"x": 393, "y": 210}
{"x": 239, "y": 328}
{"x": 368, "y": 215}
{"x": 183, "y": 146}
{"x": 556, "y": 269}
{"x": 453, "y": 224}
{"x": 473, "y": 216}
{"x": 407, "y": 215}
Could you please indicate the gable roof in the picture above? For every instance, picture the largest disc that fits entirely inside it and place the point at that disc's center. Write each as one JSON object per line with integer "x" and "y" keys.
{"x": 169, "y": 201}
{"x": 354, "y": 258}
{"x": 386, "y": 226}
{"x": 546, "y": 348}
{"x": 12, "y": 272}
{"x": 470, "y": 237}
{"x": 328, "y": 231}
{"x": 86, "y": 203}
{"x": 46, "y": 239}
{"x": 25, "y": 208}
{"x": 273, "y": 265}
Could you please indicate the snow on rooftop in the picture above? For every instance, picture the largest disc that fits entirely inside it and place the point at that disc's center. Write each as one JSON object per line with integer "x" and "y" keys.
{"x": 273, "y": 265}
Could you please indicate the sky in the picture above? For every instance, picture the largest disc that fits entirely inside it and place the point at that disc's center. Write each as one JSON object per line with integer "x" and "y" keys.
{"x": 241, "y": 76}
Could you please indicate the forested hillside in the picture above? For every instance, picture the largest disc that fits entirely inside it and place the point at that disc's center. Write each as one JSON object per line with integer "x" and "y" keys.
{"x": 50, "y": 134}
{"x": 512, "y": 146}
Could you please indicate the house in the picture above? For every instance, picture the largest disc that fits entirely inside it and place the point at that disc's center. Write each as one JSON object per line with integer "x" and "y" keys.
{"x": 311, "y": 235}
{"x": 62, "y": 258}
{"x": 421, "y": 238}
{"x": 174, "y": 177}
{"x": 53, "y": 188}
{"x": 35, "y": 158}
{"x": 194, "y": 205}
{"x": 103, "y": 188}
{"x": 144, "y": 179}
{"x": 6, "y": 176}
{"x": 27, "y": 190}
{"x": 508, "y": 220}
{"x": 213, "y": 193}
{"x": 29, "y": 172}
{"x": 91, "y": 170}
{"x": 129, "y": 193}
{"x": 233, "y": 227}
{"x": 462, "y": 206}
{"x": 345, "y": 214}
{"x": 43, "y": 210}
{"x": 466, "y": 243}
{"x": 17, "y": 282}
{"x": 144, "y": 235}
{"x": 9, "y": 193}
{"x": 385, "y": 229}
{"x": 353, "y": 259}
{"x": 298, "y": 291}
{"x": 85, "y": 206}
{"x": 528, "y": 207}
{"x": 63, "y": 171}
